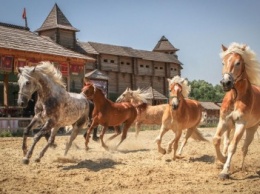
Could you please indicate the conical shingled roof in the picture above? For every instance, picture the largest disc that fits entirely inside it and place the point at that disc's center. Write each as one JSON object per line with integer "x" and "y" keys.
{"x": 164, "y": 45}
{"x": 56, "y": 19}
{"x": 154, "y": 94}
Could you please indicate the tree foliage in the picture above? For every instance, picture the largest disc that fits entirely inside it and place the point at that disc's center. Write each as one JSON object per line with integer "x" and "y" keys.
{"x": 204, "y": 91}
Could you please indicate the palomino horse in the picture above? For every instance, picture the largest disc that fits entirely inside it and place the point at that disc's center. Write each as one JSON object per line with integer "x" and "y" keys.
{"x": 181, "y": 113}
{"x": 240, "y": 107}
{"x": 108, "y": 113}
{"x": 55, "y": 107}
{"x": 146, "y": 114}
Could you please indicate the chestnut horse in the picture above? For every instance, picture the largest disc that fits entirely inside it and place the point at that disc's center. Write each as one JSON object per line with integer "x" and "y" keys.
{"x": 108, "y": 113}
{"x": 146, "y": 114}
{"x": 240, "y": 107}
{"x": 181, "y": 113}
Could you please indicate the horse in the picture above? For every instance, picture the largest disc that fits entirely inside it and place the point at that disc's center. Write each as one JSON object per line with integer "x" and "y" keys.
{"x": 108, "y": 113}
{"x": 240, "y": 107}
{"x": 55, "y": 107}
{"x": 147, "y": 114}
{"x": 181, "y": 113}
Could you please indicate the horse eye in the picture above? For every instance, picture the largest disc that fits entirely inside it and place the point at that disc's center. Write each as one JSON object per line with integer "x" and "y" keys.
{"x": 237, "y": 64}
{"x": 28, "y": 83}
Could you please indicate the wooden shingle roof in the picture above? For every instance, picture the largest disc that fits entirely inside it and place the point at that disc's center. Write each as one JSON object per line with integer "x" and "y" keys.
{"x": 19, "y": 38}
{"x": 100, "y": 48}
{"x": 154, "y": 94}
{"x": 164, "y": 45}
{"x": 56, "y": 19}
{"x": 96, "y": 74}
{"x": 114, "y": 50}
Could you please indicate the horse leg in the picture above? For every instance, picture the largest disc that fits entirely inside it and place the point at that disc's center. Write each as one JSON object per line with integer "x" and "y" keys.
{"x": 226, "y": 141}
{"x": 95, "y": 137}
{"x": 170, "y": 145}
{"x": 28, "y": 155}
{"x": 187, "y": 136}
{"x": 175, "y": 145}
{"x": 158, "y": 139}
{"x": 117, "y": 132}
{"x": 49, "y": 142}
{"x": 26, "y": 133}
{"x": 137, "y": 128}
{"x": 124, "y": 133}
{"x": 250, "y": 132}
{"x": 239, "y": 130}
{"x": 221, "y": 128}
{"x": 45, "y": 129}
{"x": 87, "y": 136}
{"x": 101, "y": 136}
{"x": 75, "y": 130}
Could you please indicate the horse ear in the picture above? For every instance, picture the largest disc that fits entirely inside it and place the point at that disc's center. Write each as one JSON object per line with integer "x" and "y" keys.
{"x": 223, "y": 48}
{"x": 244, "y": 47}
{"x": 20, "y": 69}
{"x": 127, "y": 89}
{"x": 169, "y": 80}
{"x": 34, "y": 69}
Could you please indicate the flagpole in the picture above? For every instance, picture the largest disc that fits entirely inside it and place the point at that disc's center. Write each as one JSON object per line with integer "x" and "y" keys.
{"x": 25, "y": 17}
{"x": 26, "y": 25}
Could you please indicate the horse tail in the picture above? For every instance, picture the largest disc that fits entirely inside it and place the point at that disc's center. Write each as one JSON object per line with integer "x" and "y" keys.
{"x": 196, "y": 135}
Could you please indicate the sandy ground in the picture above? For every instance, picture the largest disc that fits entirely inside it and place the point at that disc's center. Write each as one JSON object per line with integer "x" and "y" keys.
{"x": 136, "y": 167}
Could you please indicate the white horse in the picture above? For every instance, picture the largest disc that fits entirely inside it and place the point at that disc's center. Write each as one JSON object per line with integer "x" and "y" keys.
{"x": 55, "y": 107}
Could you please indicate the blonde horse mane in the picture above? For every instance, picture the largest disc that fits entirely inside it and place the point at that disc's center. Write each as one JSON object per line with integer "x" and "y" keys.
{"x": 139, "y": 95}
{"x": 184, "y": 84}
{"x": 51, "y": 71}
{"x": 251, "y": 64}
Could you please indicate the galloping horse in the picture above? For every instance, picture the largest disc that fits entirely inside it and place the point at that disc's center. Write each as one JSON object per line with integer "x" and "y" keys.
{"x": 108, "y": 113}
{"x": 55, "y": 107}
{"x": 147, "y": 114}
{"x": 240, "y": 107}
{"x": 181, "y": 113}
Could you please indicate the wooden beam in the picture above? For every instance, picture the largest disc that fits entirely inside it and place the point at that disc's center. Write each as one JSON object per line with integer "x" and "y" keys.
{"x": 5, "y": 93}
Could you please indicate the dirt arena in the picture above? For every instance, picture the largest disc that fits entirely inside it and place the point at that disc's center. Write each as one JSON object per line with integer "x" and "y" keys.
{"x": 136, "y": 167}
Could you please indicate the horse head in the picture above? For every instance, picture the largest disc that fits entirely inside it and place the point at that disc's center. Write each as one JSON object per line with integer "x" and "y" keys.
{"x": 89, "y": 90}
{"x": 233, "y": 68}
{"x": 126, "y": 96}
{"x": 175, "y": 95}
{"x": 27, "y": 85}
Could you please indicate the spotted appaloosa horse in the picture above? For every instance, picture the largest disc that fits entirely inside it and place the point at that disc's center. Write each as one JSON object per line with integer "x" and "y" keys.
{"x": 108, "y": 113}
{"x": 55, "y": 106}
{"x": 240, "y": 107}
{"x": 181, "y": 113}
{"x": 146, "y": 114}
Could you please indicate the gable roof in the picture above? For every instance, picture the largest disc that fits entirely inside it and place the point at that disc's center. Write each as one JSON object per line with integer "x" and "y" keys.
{"x": 56, "y": 19}
{"x": 164, "y": 45}
{"x": 100, "y": 48}
{"x": 114, "y": 49}
{"x": 20, "y": 38}
{"x": 96, "y": 74}
{"x": 154, "y": 94}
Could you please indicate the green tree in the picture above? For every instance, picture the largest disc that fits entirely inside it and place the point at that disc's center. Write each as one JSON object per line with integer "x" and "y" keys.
{"x": 204, "y": 91}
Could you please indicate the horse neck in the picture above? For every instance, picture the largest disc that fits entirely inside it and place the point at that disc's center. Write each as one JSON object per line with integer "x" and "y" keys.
{"x": 242, "y": 87}
{"x": 47, "y": 87}
{"x": 99, "y": 99}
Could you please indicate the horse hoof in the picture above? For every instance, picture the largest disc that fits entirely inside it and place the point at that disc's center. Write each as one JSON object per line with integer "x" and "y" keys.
{"x": 223, "y": 176}
{"x": 53, "y": 145}
{"x": 95, "y": 138}
{"x": 26, "y": 161}
{"x": 37, "y": 160}
{"x": 169, "y": 151}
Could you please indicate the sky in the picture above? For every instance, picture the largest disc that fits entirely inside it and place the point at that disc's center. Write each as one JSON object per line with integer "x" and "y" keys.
{"x": 197, "y": 27}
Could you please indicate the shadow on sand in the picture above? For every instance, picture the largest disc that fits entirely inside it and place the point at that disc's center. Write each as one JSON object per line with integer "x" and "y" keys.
{"x": 95, "y": 166}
